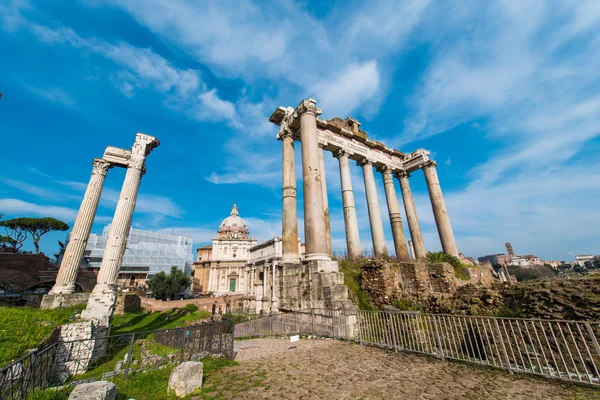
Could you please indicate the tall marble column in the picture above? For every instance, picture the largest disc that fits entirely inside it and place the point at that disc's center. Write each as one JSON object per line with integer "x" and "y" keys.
{"x": 395, "y": 216}
{"x": 69, "y": 267}
{"x": 314, "y": 221}
{"x": 325, "y": 199}
{"x": 411, "y": 216}
{"x": 440, "y": 212}
{"x": 350, "y": 219}
{"x": 289, "y": 210}
{"x": 101, "y": 303}
{"x": 377, "y": 234}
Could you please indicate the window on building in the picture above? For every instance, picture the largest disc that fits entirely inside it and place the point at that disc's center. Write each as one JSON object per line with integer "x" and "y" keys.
{"x": 234, "y": 253}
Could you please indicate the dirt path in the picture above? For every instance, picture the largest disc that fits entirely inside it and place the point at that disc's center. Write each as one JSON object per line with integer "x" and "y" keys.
{"x": 330, "y": 369}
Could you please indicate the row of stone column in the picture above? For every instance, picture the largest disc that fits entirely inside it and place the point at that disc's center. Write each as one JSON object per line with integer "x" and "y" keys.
{"x": 99, "y": 306}
{"x": 316, "y": 213}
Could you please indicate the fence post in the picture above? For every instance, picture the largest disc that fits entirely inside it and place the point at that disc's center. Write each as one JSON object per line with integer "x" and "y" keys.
{"x": 499, "y": 334}
{"x": 593, "y": 336}
{"x": 394, "y": 339}
{"x": 129, "y": 355}
{"x": 270, "y": 324}
{"x": 437, "y": 336}
{"x": 296, "y": 320}
{"x": 312, "y": 321}
{"x": 232, "y": 338}
{"x": 183, "y": 332}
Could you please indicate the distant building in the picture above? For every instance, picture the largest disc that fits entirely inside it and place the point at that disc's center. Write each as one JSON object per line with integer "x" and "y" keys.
{"x": 553, "y": 263}
{"x": 201, "y": 270}
{"x": 494, "y": 259}
{"x": 509, "y": 250}
{"x": 519, "y": 261}
{"x": 146, "y": 254}
{"x": 583, "y": 258}
{"x": 533, "y": 260}
{"x": 229, "y": 255}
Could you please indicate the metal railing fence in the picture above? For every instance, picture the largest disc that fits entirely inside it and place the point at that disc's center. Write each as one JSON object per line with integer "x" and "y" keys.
{"x": 98, "y": 358}
{"x": 567, "y": 350}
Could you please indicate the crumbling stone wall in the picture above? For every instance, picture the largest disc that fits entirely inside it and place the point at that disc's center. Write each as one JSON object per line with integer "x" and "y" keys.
{"x": 312, "y": 284}
{"x": 387, "y": 282}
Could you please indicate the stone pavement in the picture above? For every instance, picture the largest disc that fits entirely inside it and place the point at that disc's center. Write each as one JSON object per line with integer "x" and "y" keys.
{"x": 330, "y": 369}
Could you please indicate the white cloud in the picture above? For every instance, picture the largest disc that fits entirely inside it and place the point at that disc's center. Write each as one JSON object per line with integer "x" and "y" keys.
{"x": 10, "y": 13}
{"x": 19, "y": 207}
{"x": 54, "y": 94}
{"x": 28, "y": 188}
{"x": 355, "y": 85}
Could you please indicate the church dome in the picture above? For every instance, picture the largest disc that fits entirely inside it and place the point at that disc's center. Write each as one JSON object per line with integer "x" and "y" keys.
{"x": 233, "y": 227}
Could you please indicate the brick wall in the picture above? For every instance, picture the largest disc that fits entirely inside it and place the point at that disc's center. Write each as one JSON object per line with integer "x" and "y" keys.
{"x": 231, "y": 303}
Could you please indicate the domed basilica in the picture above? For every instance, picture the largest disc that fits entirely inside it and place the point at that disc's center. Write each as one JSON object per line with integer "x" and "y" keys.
{"x": 229, "y": 255}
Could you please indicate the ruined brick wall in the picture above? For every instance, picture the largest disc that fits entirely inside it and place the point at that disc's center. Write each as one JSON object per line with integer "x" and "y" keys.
{"x": 127, "y": 303}
{"x": 312, "y": 284}
{"x": 225, "y": 303}
{"x": 386, "y": 282}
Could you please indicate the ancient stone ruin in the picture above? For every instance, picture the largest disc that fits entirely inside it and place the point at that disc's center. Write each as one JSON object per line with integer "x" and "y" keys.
{"x": 289, "y": 283}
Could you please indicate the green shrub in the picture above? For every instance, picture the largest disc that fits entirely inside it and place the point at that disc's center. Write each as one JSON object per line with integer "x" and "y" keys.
{"x": 191, "y": 308}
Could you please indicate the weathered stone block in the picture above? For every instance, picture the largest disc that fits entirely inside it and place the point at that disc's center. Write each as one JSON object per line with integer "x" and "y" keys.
{"x": 52, "y": 301}
{"x": 101, "y": 390}
{"x": 186, "y": 378}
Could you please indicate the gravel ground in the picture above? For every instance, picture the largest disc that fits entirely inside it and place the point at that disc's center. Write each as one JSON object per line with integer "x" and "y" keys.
{"x": 331, "y": 369}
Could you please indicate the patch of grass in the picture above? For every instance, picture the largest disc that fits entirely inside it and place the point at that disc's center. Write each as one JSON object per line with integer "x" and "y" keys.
{"x": 24, "y": 328}
{"x": 408, "y": 305}
{"x": 461, "y": 272}
{"x": 352, "y": 280}
{"x": 142, "y": 322}
{"x": 239, "y": 317}
{"x": 51, "y": 394}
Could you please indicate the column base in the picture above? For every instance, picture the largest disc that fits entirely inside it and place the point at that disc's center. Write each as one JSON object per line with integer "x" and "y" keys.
{"x": 52, "y": 301}
{"x": 62, "y": 289}
{"x": 290, "y": 258}
{"x": 318, "y": 257}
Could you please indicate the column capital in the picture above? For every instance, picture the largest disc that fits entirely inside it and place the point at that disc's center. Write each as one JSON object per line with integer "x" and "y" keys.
{"x": 430, "y": 163}
{"x": 100, "y": 166}
{"x": 144, "y": 144}
{"x": 363, "y": 162}
{"x": 401, "y": 174}
{"x": 284, "y": 132}
{"x": 383, "y": 169}
{"x": 339, "y": 153}
{"x": 307, "y": 106}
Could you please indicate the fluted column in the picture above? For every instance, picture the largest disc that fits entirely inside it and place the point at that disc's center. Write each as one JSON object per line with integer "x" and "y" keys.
{"x": 101, "y": 303}
{"x": 350, "y": 219}
{"x": 314, "y": 221}
{"x": 395, "y": 216}
{"x": 440, "y": 212}
{"x": 377, "y": 234}
{"x": 411, "y": 216}
{"x": 325, "y": 199}
{"x": 289, "y": 218}
{"x": 69, "y": 267}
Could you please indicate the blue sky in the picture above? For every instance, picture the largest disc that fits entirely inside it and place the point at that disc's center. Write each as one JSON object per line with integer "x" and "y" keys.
{"x": 504, "y": 95}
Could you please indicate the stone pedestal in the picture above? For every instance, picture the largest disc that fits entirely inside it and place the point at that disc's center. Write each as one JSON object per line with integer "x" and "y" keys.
{"x": 67, "y": 274}
{"x": 52, "y": 301}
